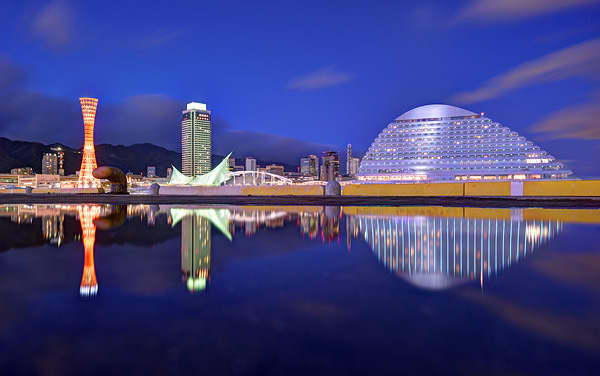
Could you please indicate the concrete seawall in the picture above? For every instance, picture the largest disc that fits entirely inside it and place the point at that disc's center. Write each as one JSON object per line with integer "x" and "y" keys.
{"x": 558, "y": 188}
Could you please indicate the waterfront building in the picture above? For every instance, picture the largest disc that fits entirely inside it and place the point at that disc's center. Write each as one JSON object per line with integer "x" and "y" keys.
{"x": 353, "y": 168}
{"x": 330, "y": 165}
{"x": 38, "y": 180}
{"x": 196, "y": 145}
{"x": 309, "y": 166}
{"x": 88, "y": 161}
{"x": 169, "y": 172}
{"x": 250, "y": 164}
{"x": 151, "y": 173}
{"x": 446, "y": 143}
{"x": 275, "y": 169}
{"x": 61, "y": 159}
{"x": 50, "y": 164}
{"x": 22, "y": 171}
{"x": 348, "y": 159}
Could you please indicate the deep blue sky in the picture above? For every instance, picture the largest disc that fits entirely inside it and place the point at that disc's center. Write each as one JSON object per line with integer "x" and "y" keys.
{"x": 285, "y": 78}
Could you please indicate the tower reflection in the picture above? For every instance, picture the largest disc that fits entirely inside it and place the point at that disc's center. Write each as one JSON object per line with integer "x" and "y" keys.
{"x": 87, "y": 215}
{"x": 440, "y": 252}
{"x": 196, "y": 242}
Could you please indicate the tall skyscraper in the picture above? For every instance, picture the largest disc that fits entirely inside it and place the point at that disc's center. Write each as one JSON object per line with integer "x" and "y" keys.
{"x": 61, "y": 159}
{"x": 50, "y": 164}
{"x": 250, "y": 164}
{"x": 309, "y": 166}
{"x": 196, "y": 145}
{"x": 349, "y": 159}
{"x": 330, "y": 166}
{"x": 88, "y": 162}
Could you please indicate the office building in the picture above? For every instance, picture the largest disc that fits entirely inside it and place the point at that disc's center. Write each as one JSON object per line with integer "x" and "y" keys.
{"x": 446, "y": 143}
{"x": 151, "y": 172}
{"x": 348, "y": 159}
{"x": 22, "y": 171}
{"x": 61, "y": 159}
{"x": 330, "y": 165}
{"x": 353, "y": 168}
{"x": 196, "y": 146}
{"x": 250, "y": 164}
{"x": 275, "y": 169}
{"x": 309, "y": 166}
{"x": 50, "y": 164}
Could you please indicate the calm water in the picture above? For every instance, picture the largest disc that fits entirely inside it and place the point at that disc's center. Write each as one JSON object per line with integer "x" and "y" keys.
{"x": 298, "y": 290}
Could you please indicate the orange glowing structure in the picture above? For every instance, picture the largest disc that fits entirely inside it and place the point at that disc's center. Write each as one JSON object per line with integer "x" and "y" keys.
{"x": 88, "y": 163}
{"x": 87, "y": 215}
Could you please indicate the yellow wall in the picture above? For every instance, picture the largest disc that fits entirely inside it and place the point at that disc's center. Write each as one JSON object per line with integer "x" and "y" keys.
{"x": 496, "y": 188}
{"x": 429, "y": 211}
{"x": 419, "y": 189}
{"x": 283, "y": 190}
{"x": 562, "y": 188}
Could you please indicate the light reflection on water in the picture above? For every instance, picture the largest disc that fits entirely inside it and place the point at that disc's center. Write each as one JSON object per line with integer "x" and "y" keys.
{"x": 432, "y": 248}
{"x": 471, "y": 258}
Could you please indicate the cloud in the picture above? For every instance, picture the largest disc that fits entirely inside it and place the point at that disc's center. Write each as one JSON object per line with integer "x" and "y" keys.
{"x": 581, "y": 121}
{"x": 322, "y": 78}
{"x": 582, "y": 59}
{"x": 510, "y": 10}
{"x": 266, "y": 146}
{"x": 152, "y": 118}
{"x": 54, "y": 25}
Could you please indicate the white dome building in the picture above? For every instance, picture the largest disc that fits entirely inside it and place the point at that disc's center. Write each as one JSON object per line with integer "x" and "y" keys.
{"x": 438, "y": 142}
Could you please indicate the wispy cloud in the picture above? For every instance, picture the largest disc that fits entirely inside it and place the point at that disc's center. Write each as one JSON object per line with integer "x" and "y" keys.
{"x": 577, "y": 122}
{"x": 158, "y": 38}
{"x": 510, "y": 10}
{"x": 578, "y": 60}
{"x": 54, "y": 25}
{"x": 322, "y": 78}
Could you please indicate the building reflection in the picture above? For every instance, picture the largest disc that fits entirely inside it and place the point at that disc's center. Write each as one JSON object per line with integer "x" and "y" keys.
{"x": 437, "y": 252}
{"x": 195, "y": 251}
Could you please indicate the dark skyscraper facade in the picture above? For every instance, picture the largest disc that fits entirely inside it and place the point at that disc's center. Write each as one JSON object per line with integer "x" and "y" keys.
{"x": 330, "y": 166}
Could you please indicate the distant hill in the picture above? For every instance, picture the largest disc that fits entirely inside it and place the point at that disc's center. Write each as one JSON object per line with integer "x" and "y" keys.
{"x": 134, "y": 158}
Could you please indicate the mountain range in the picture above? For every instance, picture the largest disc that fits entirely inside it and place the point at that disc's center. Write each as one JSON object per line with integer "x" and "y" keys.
{"x": 134, "y": 158}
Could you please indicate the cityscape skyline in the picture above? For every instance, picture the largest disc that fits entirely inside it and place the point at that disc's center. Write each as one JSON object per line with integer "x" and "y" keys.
{"x": 336, "y": 89}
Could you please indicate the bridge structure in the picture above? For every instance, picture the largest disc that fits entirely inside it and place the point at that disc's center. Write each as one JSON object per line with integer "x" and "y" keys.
{"x": 256, "y": 178}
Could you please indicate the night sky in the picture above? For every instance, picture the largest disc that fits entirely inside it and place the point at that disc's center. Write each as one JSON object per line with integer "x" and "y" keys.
{"x": 291, "y": 77}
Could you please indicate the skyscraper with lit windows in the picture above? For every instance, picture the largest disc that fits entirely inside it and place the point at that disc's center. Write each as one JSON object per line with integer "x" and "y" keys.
{"x": 196, "y": 145}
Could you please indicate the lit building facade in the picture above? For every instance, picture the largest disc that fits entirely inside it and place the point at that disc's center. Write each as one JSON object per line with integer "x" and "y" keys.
{"x": 275, "y": 169}
{"x": 309, "y": 166}
{"x": 196, "y": 147}
{"x": 330, "y": 166}
{"x": 151, "y": 173}
{"x": 348, "y": 159}
{"x": 88, "y": 161}
{"x": 446, "y": 143}
{"x": 50, "y": 164}
{"x": 60, "y": 153}
{"x": 250, "y": 164}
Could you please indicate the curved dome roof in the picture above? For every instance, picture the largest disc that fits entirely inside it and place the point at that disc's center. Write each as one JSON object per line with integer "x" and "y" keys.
{"x": 431, "y": 111}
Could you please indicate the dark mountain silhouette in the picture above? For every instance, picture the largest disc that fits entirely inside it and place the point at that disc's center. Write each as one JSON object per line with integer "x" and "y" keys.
{"x": 133, "y": 158}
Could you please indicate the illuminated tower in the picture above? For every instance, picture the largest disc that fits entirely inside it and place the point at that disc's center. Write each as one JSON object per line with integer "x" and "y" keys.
{"x": 196, "y": 146}
{"x": 88, "y": 162}
{"x": 87, "y": 214}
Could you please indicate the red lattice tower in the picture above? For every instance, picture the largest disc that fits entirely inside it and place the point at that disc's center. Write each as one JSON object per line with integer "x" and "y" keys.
{"x": 88, "y": 162}
{"x": 87, "y": 215}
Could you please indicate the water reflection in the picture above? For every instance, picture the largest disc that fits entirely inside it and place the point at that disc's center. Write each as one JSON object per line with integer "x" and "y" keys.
{"x": 431, "y": 247}
{"x": 437, "y": 253}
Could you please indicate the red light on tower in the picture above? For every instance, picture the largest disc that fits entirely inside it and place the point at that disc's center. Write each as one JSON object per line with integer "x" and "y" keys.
{"x": 88, "y": 162}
